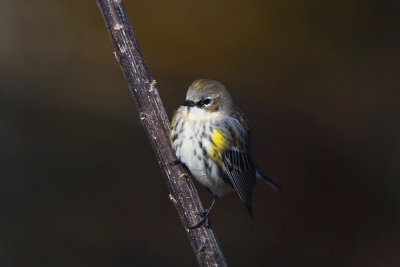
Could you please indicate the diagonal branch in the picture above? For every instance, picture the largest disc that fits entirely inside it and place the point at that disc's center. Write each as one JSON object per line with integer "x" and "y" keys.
{"x": 155, "y": 121}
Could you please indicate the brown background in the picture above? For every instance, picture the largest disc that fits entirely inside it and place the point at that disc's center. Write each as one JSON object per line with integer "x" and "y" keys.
{"x": 318, "y": 80}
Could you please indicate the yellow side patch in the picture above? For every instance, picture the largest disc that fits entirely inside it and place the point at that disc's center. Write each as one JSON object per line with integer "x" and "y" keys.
{"x": 219, "y": 144}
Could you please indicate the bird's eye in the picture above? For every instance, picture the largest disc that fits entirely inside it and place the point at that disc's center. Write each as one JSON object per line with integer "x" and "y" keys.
{"x": 206, "y": 101}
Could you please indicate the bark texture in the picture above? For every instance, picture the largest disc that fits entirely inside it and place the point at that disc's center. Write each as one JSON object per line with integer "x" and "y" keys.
{"x": 155, "y": 121}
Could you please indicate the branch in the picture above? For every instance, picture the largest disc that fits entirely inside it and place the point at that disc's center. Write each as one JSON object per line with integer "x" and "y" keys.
{"x": 155, "y": 121}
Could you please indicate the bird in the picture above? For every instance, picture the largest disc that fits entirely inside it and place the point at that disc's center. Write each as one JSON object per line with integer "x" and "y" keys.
{"x": 211, "y": 137}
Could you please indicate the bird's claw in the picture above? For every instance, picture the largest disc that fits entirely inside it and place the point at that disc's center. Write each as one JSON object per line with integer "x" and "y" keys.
{"x": 204, "y": 221}
{"x": 204, "y": 217}
{"x": 203, "y": 213}
{"x": 174, "y": 162}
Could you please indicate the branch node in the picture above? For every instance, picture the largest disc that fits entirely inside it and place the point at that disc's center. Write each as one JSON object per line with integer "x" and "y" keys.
{"x": 116, "y": 56}
{"x": 118, "y": 26}
{"x": 152, "y": 85}
{"x": 143, "y": 116}
{"x": 171, "y": 197}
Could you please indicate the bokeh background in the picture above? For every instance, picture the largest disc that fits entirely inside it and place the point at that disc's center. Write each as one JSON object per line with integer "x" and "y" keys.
{"x": 318, "y": 80}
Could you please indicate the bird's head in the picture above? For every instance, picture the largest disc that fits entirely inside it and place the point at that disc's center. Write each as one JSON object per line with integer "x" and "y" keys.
{"x": 207, "y": 97}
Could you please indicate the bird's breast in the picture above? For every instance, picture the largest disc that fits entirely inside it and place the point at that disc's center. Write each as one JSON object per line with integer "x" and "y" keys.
{"x": 193, "y": 144}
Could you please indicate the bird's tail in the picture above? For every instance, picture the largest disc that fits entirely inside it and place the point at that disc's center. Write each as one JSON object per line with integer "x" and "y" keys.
{"x": 261, "y": 175}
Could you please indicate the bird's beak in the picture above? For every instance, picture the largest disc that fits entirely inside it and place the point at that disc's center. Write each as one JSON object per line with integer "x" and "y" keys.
{"x": 188, "y": 103}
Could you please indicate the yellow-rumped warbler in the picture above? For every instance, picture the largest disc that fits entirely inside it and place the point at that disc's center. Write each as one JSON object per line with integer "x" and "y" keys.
{"x": 211, "y": 137}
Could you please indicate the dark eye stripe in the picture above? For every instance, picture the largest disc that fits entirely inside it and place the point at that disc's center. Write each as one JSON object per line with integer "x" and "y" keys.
{"x": 206, "y": 101}
{"x": 203, "y": 102}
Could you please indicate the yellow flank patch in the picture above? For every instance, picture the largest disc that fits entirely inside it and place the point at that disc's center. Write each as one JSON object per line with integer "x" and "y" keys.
{"x": 219, "y": 144}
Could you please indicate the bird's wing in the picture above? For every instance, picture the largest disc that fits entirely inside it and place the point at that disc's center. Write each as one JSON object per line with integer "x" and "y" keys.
{"x": 238, "y": 165}
{"x": 241, "y": 172}
{"x": 232, "y": 143}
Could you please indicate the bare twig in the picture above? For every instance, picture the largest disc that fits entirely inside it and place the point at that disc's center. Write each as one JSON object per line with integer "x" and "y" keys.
{"x": 155, "y": 121}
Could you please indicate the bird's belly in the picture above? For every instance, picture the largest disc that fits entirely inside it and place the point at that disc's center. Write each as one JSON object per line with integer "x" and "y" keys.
{"x": 193, "y": 149}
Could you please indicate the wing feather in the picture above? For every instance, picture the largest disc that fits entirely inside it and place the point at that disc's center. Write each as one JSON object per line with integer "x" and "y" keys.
{"x": 237, "y": 162}
{"x": 241, "y": 172}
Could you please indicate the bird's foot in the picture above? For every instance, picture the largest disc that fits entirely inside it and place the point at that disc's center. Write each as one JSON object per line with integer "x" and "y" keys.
{"x": 174, "y": 162}
{"x": 204, "y": 217}
{"x": 203, "y": 213}
{"x": 204, "y": 221}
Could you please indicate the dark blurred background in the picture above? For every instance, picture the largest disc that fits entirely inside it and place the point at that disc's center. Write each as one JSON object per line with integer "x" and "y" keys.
{"x": 318, "y": 80}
